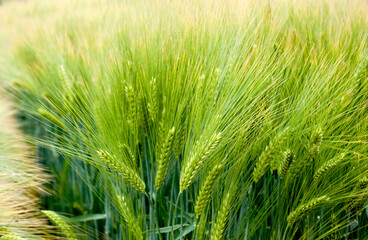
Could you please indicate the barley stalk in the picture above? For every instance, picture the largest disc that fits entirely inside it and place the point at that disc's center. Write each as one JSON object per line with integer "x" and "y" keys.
{"x": 128, "y": 174}
{"x": 163, "y": 161}
{"x": 300, "y": 211}
{"x": 196, "y": 160}
{"x": 205, "y": 191}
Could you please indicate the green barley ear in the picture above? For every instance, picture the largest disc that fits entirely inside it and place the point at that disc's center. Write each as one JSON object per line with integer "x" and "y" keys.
{"x": 222, "y": 218}
{"x": 132, "y": 106}
{"x": 268, "y": 158}
{"x": 262, "y": 164}
{"x": 65, "y": 81}
{"x": 180, "y": 137}
{"x": 51, "y": 118}
{"x": 128, "y": 174}
{"x": 125, "y": 149}
{"x": 152, "y": 106}
{"x": 278, "y": 140}
{"x": 205, "y": 191}
{"x": 300, "y": 211}
{"x": 129, "y": 218}
{"x": 315, "y": 142}
{"x": 59, "y": 222}
{"x": 163, "y": 161}
{"x": 288, "y": 159}
{"x": 196, "y": 160}
{"x": 327, "y": 166}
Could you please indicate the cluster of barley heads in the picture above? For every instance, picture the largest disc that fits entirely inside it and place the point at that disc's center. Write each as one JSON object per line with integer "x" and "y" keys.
{"x": 230, "y": 120}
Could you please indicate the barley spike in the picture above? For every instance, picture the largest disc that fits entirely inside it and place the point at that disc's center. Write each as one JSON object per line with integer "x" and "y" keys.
{"x": 196, "y": 160}
{"x": 327, "y": 166}
{"x": 128, "y": 174}
{"x": 56, "y": 219}
{"x": 300, "y": 211}
{"x": 205, "y": 191}
{"x": 222, "y": 218}
{"x": 163, "y": 161}
{"x": 288, "y": 158}
{"x": 129, "y": 218}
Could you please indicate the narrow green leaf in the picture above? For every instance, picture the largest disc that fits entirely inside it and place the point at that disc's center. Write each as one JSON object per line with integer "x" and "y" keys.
{"x": 89, "y": 217}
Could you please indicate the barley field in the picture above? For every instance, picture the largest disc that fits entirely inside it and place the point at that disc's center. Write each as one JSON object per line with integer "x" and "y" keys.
{"x": 192, "y": 119}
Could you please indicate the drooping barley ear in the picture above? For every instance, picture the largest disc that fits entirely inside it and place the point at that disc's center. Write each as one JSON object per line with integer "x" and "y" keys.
{"x": 222, "y": 218}
{"x": 358, "y": 200}
{"x": 300, "y": 211}
{"x": 66, "y": 81}
{"x": 288, "y": 158}
{"x": 262, "y": 164}
{"x": 180, "y": 137}
{"x": 152, "y": 106}
{"x": 129, "y": 154}
{"x": 128, "y": 174}
{"x": 196, "y": 160}
{"x": 327, "y": 166}
{"x": 51, "y": 118}
{"x": 274, "y": 145}
{"x": 59, "y": 222}
{"x": 163, "y": 161}
{"x": 132, "y": 106}
{"x": 205, "y": 191}
{"x": 268, "y": 157}
{"x": 129, "y": 218}
{"x": 315, "y": 142}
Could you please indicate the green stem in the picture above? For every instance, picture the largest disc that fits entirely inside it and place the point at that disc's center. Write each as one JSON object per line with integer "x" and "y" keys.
{"x": 154, "y": 214}
{"x": 174, "y": 215}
